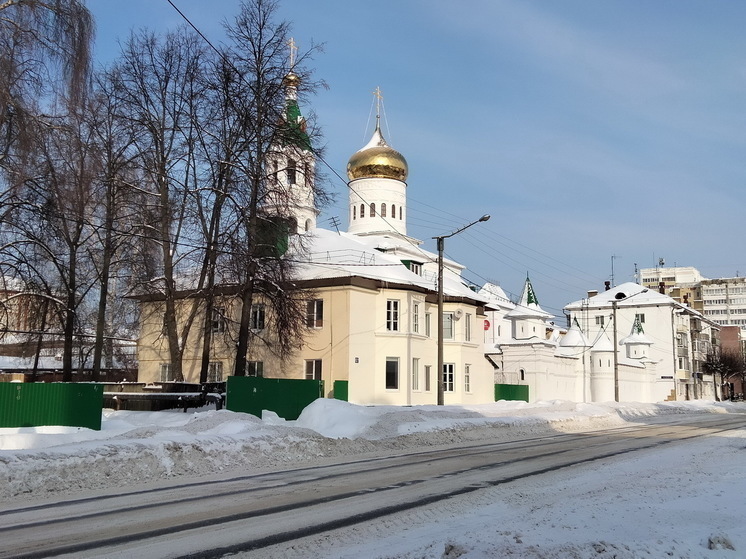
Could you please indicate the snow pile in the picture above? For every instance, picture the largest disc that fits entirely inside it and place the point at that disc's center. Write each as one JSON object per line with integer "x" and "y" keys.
{"x": 136, "y": 447}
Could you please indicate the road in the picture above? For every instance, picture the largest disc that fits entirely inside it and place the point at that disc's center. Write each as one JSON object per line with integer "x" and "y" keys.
{"x": 210, "y": 518}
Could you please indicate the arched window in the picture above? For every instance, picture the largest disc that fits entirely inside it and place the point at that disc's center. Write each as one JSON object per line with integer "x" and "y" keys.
{"x": 362, "y": 210}
{"x": 354, "y": 212}
{"x": 399, "y": 212}
{"x": 372, "y": 210}
{"x": 393, "y": 211}
{"x": 308, "y": 225}
{"x": 291, "y": 171}
{"x": 523, "y": 374}
{"x": 383, "y": 210}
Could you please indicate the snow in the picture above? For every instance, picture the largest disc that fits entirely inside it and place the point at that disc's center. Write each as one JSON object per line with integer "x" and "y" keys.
{"x": 680, "y": 501}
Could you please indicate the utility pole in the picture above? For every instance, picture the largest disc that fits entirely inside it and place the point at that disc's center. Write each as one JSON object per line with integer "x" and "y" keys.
{"x": 441, "y": 244}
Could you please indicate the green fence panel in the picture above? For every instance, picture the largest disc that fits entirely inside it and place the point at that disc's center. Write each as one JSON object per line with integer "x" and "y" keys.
{"x": 340, "y": 390}
{"x": 511, "y": 392}
{"x": 37, "y": 404}
{"x": 285, "y": 397}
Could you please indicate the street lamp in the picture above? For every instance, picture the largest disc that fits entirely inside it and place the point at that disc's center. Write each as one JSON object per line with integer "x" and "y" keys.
{"x": 441, "y": 243}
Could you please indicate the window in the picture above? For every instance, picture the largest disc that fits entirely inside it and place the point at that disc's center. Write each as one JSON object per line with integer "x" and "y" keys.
{"x": 218, "y": 319}
{"x": 383, "y": 210}
{"x": 315, "y": 313}
{"x": 215, "y": 371}
{"x": 467, "y": 379}
{"x": 373, "y": 210}
{"x": 641, "y": 318}
{"x": 392, "y": 373}
{"x": 600, "y": 320}
{"x": 523, "y": 373}
{"x": 307, "y": 179}
{"x": 415, "y": 374}
{"x": 362, "y": 210}
{"x": 467, "y": 327}
{"x": 354, "y": 212}
{"x": 416, "y": 268}
{"x": 392, "y": 315}
{"x": 313, "y": 369}
{"x": 399, "y": 212}
{"x": 427, "y": 378}
{"x": 167, "y": 372}
{"x": 255, "y": 368}
{"x": 416, "y": 318}
{"x": 427, "y": 324}
{"x": 393, "y": 211}
{"x": 291, "y": 171}
{"x": 447, "y": 325}
{"x": 257, "y": 317}
{"x": 448, "y": 369}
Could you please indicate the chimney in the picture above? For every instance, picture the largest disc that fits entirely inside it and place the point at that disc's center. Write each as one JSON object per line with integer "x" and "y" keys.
{"x": 607, "y": 285}
{"x": 592, "y": 293}
{"x": 662, "y": 288}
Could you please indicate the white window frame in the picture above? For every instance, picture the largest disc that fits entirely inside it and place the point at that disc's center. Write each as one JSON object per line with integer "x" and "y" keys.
{"x": 467, "y": 327}
{"x": 255, "y": 368}
{"x": 167, "y": 372}
{"x": 416, "y": 318}
{"x": 467, "y": 378}
{"x": 392, "y": 315}
{"x": 258, "y": 319}
{"x": 215, "y": 371}
{"x": 392, "y": 382}
{"x": 415, "y": 374}
{"x": 313, "y": 369}
{"x": 427, "y": 377}
{"x": 449, "y": 375}
{"x": 315, "y": 313}
{"x": 427, "y": 324}
{"x": 448, "y": 333}
{"x": 218, "y": 319}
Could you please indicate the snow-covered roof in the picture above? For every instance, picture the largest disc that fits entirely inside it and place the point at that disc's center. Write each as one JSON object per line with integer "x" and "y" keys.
{"x": 627, "y": 294}
{"x": 329, "y": 254}
{"x": 496, "y": 297}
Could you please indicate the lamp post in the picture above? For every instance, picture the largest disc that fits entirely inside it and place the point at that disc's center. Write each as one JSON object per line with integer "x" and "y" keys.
{"x": 441, "y": 243}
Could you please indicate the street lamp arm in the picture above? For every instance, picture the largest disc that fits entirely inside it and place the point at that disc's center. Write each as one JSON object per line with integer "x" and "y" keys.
{"x": 485, "y": 217}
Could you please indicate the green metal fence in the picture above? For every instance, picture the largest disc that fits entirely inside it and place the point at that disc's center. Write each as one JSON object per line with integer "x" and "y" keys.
{"x": 511, "y": 392}
{"x": 340, "y": 390}
{"x": 37, "y": 404}
{"x": 285, "y": 397}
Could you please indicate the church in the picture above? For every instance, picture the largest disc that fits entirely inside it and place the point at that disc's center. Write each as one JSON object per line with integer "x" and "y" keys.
{"x": 372, "y": 294}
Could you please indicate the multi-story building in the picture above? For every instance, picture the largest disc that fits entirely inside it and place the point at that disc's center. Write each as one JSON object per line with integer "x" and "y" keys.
{"x": 371, "y": 299}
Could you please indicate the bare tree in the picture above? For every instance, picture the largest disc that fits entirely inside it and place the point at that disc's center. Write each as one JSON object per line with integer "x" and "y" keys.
{"x": 40, "y": 40}
{"x": 726, "y": 365}
{"x": 260, "y": 55}
{"x": 159, "y": 89}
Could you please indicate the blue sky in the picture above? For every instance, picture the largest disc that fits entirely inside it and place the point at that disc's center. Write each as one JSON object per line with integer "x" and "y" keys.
{"x": 592, "y": 132}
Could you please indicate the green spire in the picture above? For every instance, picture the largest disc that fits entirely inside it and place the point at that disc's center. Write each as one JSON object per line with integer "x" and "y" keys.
{"x": 637, "y": 326}
{"x": 293, "y": 130}
{"x": 530, "y": 295}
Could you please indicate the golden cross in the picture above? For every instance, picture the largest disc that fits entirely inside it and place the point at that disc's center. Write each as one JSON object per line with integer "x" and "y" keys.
{"x": 293, "y": 50}
{"x": 379, "y": 96}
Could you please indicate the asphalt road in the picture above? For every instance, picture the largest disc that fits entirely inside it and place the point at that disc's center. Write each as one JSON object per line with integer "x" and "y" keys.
{"x": 211, "y": 518}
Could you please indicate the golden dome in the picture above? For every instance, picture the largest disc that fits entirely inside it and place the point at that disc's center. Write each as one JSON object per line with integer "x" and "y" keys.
{"x": 377, "y": 160}
{"x": 291, "y": 80}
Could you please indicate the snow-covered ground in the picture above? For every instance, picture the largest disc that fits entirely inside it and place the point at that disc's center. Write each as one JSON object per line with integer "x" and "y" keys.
{"x": 675, "y": 501}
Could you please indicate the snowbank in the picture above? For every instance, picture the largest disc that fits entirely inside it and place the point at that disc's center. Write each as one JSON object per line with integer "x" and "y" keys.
{"x": 135, "y": 447}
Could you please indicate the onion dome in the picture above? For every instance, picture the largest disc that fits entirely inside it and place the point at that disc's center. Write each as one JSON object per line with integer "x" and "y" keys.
{"x": 377, "y": 160}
